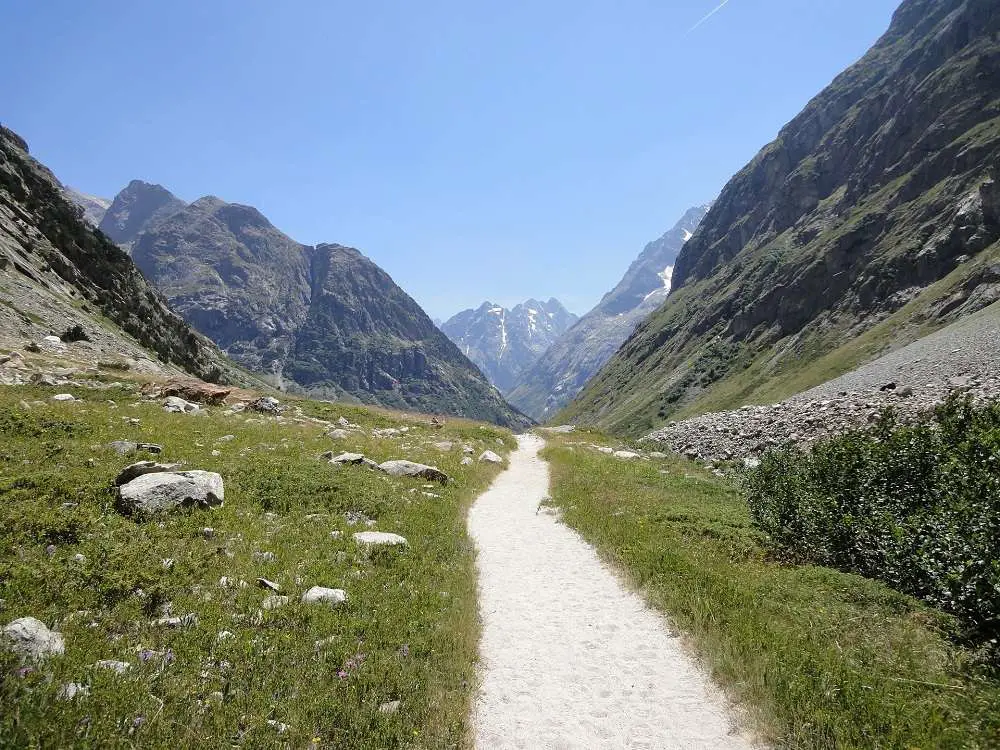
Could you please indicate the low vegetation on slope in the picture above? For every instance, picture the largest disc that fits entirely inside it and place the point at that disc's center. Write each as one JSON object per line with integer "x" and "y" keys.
{"x": 234, "y": 672}
{"x": 820, "y": 658}
{"x": 915, "y": 506}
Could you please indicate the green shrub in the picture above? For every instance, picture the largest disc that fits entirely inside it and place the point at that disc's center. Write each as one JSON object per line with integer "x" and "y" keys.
{"x": 916, "y": 506}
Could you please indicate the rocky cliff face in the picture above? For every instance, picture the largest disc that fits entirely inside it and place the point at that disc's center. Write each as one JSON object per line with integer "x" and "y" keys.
{"x": 140, "y": 206}
{"x": 57, "y": 273}
{"x": 576, "y": 356}
{"x": 879, "y": 194}
{"x": 232, "y": 275}
{"x": 363, "y": 337}
{"x": 322, "y": 320}
{"x": 504, "y": 343}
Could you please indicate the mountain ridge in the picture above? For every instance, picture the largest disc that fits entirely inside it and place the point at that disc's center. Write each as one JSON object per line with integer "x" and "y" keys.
{"x": 879, "y": 195}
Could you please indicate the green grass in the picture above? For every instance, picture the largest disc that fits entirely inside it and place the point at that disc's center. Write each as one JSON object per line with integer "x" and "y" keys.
{"x": 410, "y": 613}
{"x": 820, "y": 659}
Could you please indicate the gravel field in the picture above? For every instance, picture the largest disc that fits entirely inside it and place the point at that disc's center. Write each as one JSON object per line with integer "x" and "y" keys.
{"x": 964, "y": 356}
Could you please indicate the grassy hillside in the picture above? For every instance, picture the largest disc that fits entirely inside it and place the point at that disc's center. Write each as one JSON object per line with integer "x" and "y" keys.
{"x": 407, "y": 632}
{"x": 818, "y": 658}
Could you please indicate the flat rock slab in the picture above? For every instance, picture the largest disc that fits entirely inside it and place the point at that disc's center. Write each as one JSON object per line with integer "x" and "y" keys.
{"x": 32, "y": 639}
{"x": 164, "y": 491}
{"x": 133, "y": 471}
{"x": 321, "y": 595}
{"x": 348, "y": 458}
{"x": 411, "y": 469}
{"x": 376, "y": 538}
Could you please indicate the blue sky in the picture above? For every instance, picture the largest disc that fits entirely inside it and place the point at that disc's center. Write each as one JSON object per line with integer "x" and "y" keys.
{"x": 475, "y": 150}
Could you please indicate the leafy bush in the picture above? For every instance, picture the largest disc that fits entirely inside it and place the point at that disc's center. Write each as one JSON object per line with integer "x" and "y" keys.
{"x": 916, "y": 506}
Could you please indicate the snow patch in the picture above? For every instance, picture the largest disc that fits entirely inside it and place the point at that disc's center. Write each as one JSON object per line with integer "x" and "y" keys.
{"x": 687, "y": 235}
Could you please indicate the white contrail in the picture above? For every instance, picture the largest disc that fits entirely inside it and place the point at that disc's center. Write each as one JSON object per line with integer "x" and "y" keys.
{"x": 722, "y": 5}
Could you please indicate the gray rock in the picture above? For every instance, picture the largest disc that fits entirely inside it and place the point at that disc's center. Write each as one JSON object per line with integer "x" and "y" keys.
{"x": 266, "y": 584}
{"x": 123, "y": 447}
{"x": 71, "y": 690}
{"x": 467, "y": 461}
{"x": 338, "y": 434}
{"x": 265, "y": 405}
{"x": 490, "y": 457}
{"x": 120, "y": 667}
{"x": 444, "y": 446}
{"x": 64, "y": 397}
{"x": 412, "y": 469}
{"x": 133, "y": 471}
{"x": 319, "y": 594}
{"x": 164, "y": 491}
{"x": 32, "y": 639}
{"x": 348, "y": 458}
{"x": 274, "y": 601}
{"x": 626, "y": 455}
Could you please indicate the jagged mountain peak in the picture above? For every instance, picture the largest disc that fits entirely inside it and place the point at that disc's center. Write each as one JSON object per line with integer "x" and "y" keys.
{"x": 504, "y": 342}
{"x": 135, "y": 208}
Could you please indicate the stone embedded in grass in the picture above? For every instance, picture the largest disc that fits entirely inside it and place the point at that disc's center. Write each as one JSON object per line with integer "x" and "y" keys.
{"x": 338, "y": 434}
{"x": 274, "y": 601}
{"x": 490, "y": 457}
{"x": 278, "y": 726}
{"x": 319, "y": 595}
{"x": 444, "y": 446}
{"x": 348, "y": 458}
{"x": 64, "y": 397}
{"x": 379, "y": 538}
{"x": 224, "y": 635}
{"x": 411, "y": 469}
{"x": 390, "y": 707}
{"x": 266, "y": 584}
{"x": 133, "y": 471}
{"x": 120, "y": 667}
{"x": 178, "y": 405}
{"x": 225, "y": 439}
{"x": 266, "y": 405}
{"x": 188, "y": 620}
{"x": 626, "y": 455}
{"x": 467, "y": 461}
{"x": 31, "y": 638}
{"x": 123, "y": 447}
{"x": 72, "y": 690}
{"x": 163, "y": 491}
{"x": 263, "y": 556}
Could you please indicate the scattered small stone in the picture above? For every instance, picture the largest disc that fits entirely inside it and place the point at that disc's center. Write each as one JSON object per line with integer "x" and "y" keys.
{"x": 389, "y": 707}
{"x": 266, "y": 584}
{"x": 274, "y": 601}
{"x": 79, "y": 558}
{"x": 490, "y": 457}
{"x": 177, "y": 405}
{"x": 64, "y": 397}
{"x": 120, "y": 667}
{"x": 467, "y": 461}
{"x": 71, "y": 690}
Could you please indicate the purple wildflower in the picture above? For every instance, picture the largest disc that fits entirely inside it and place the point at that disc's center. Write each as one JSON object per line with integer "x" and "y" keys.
{"x": 24, "y": 672}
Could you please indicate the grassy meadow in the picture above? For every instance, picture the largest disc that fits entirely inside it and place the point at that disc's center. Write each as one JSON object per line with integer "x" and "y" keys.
{"x": 237, "y": 674}
{"x": 818, "y": 658}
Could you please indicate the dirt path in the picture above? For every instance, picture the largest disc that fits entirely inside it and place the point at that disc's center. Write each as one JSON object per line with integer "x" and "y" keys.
{"x": 571, "y": 658}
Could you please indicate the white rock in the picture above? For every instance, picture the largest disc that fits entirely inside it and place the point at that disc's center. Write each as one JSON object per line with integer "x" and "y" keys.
{"x": 64, "y": 397}
{"x": 467, "y": 461}
{"x": 626, "y": 455}
{"x": 490, "y": 457}
{"x": 178, "y": 405}
{"x": 120, "y": 667}
{"x": 338, "y": 434}
{"x": 71, "y": 690}
{"x": 278, "y": 726}
{"x": 274, "y": 601}
{"x": 390, "y": 707}
{"x": 348, "y": 458}
{"x": 444, "y": 446}
{"x": 31, "y": 638}
{"x": 319, "y": 594}
{"x": 376, "y": 538}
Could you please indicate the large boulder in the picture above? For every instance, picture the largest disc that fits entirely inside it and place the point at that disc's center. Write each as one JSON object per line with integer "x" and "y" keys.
{"x": 164, "y": 491}
{"x": 32, "y": 639}
{"x": 139, "y": 468}
{"x": 411, "y": 469}
{"x": 197, "y": 391}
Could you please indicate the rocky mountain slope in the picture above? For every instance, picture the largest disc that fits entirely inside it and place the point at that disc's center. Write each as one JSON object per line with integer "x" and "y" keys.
{"x": 140, "y": 206}
{"x": 93, "y": 207}
{"x": 504, "y": 343}
{"x": 559, "y": 374}
{"x": 61, "y": 279}
{"x": 871, "y": 219}
{"x": 323, "y": 320}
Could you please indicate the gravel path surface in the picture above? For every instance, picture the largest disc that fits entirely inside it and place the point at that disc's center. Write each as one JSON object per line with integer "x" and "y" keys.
{"x": 964, "y": 356}
{"x": 571, "y": 658}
